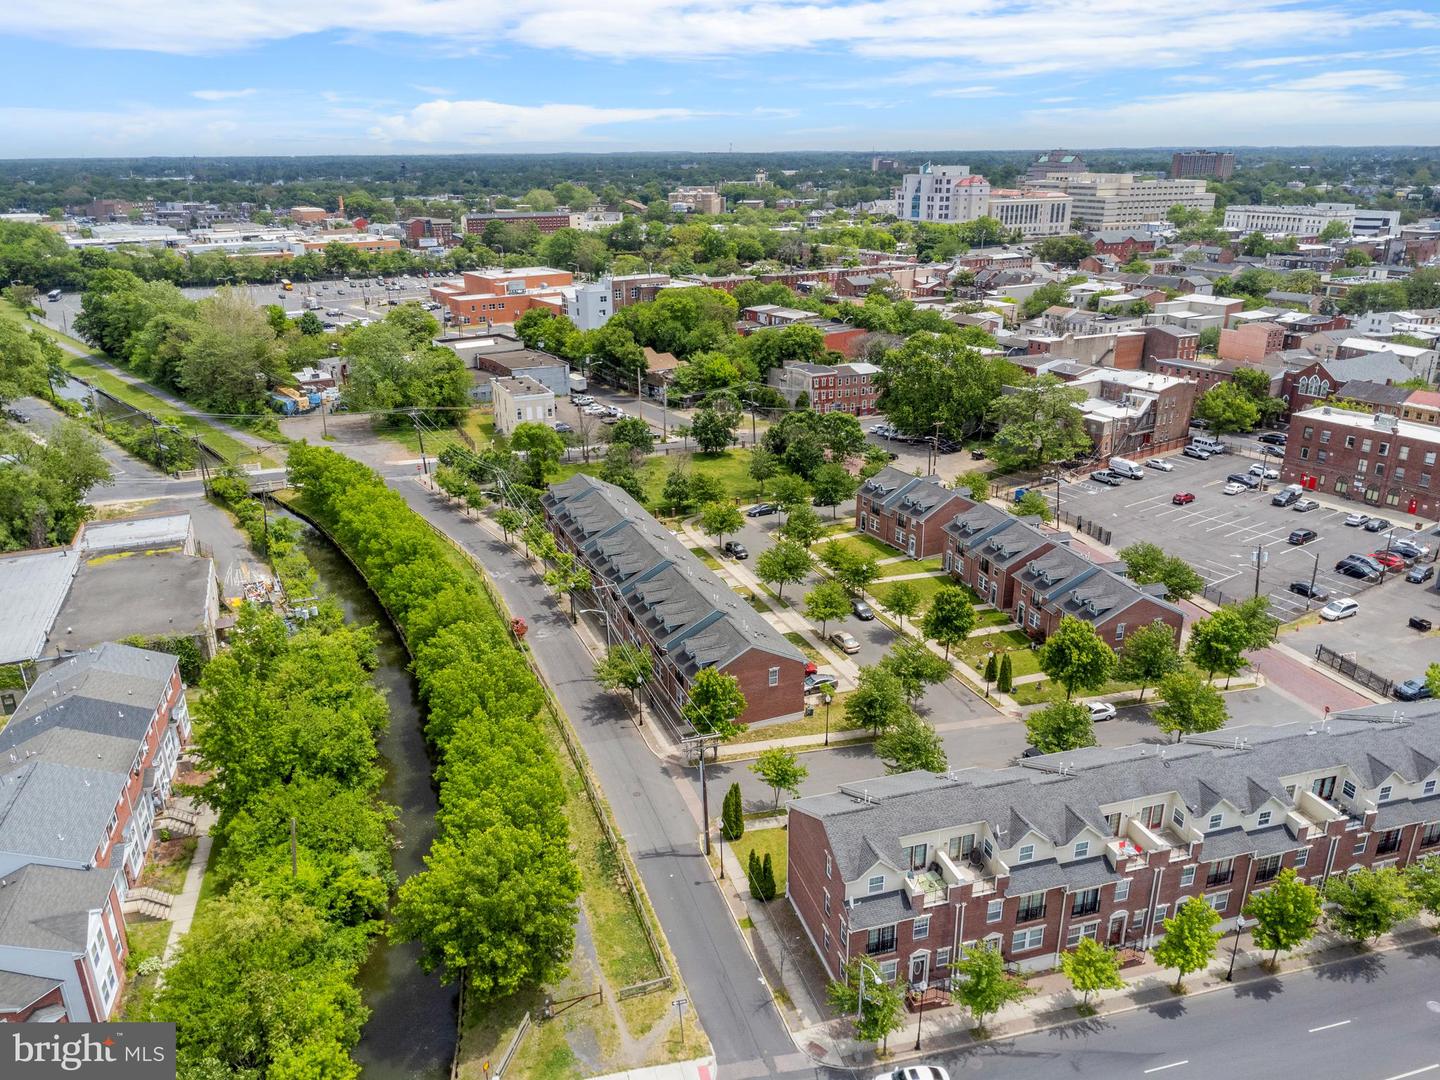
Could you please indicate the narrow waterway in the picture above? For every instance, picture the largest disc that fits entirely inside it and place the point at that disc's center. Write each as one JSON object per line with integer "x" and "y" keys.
{"x": 411, "y": 1031}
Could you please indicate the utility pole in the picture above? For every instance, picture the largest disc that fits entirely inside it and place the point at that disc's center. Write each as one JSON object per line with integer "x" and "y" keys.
{"x": 704, "y": 800}
{"x": 424, "y": 464}
{"x": 1259, "y": 562}
{"x": 1314, "y": 570}
{"x": 324, "y": 427}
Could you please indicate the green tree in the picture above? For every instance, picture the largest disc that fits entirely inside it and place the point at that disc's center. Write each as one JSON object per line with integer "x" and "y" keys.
{"x": 1423, "y": 879}
{"x": 1218, "y": 643}
{"x": 719, "y": 518}
{"x": 1146, "y": 562}
{"x": 915, "y": 666}
{"x": 832, "y": 485}
{"x": 982, "y": 984}
{"x": 877, "y": 1006}
{"x": 877, "y": 702}
{"x": 1060, "y": 726}
{"x": 781, "y": 769}
{"x": 902, "y": 600}
{"x": 992, "y": 669}
{"x": 1033, "y": 504}
{"x": 1038, "y": 424}
{"x": 762, "y": 466}
{"x": 783, "y": 563}
{"x": 1062, "y": 250}
{"x": 732, "y": 815}
{"x": 1076, "y": 658}
{"x": 634, "y": 433}
{"x": 950, "y": 617}
{"x": 705, "y": 489}
{"x": 827, "y": 601}
{"x": 713, "y": 430}
{"x": 802, "y": 525}
{"x": 714, "y": 703}
{"x": 909, "y": 744}
{"x": 1149, "y": 654}
{"x": 1190, "y": 939}
{"x": 1005, "y": 679}
{"x": 1368, "y": 903}
{"x": 1191, "y": 705}
{"x": 1091, "y": 967}
{"x": 1334, "y": 230}
{"x": 974, "y": 484}
{"x": 767, "y": 878}
{"x": 676, "y": 492}
{"x": 1286, "y": 914}
{"x": 1226, "y": 408}
{"x": 542, "y": 447}
{"x": 1432, "y": 679}
{"x": 510, "y": 520}
{"x": 941, "y": 378}
{"x": 790, "y": 493}
{"x": 625, "y": 667}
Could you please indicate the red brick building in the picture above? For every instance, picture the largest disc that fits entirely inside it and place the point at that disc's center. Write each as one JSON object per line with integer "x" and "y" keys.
{"x": 429, "y": 232}
{"x": 502, "y": 296}
{"x": 828, "y": 387}
{"x": 907, "y": 512}
{"x": 657, "y": 595}
{"x": 1105, "y": 843}
{"x": 1251, "y": 342}
{"x": 1374, "y": 458}
{"x": 1123, "y": 244}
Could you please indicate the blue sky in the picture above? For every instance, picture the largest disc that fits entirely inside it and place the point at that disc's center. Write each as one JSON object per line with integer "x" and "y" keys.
{"x": 404, "y": 76}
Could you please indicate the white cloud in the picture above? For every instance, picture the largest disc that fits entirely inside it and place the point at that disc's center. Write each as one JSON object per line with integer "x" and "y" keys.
{"x": 484, "y": 123}
{"x": 222, "y": 95}
{"x": 1374, "y": 78}
{"x": 966, "y": 91}
{"x": 1331, "y": 58}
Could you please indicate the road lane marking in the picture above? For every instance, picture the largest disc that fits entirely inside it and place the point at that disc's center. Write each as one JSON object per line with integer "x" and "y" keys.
{"x": 1176, "y": 1064}
{"x": 1413, "y": 1072}
{"x": 1327, "y": 1027}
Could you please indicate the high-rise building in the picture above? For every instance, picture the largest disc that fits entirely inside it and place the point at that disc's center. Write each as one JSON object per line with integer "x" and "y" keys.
{"x": 1202, "y": 164}
{"x": 951, "y": 193}
{"x": 1117, "y": 200}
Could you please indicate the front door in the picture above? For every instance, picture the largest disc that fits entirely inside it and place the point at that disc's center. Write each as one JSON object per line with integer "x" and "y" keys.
{"x": 920, "y": 969}
{"x": 1117, "y": 929}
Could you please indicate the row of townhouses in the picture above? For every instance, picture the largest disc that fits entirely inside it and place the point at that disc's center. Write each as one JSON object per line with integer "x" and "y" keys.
{"x": 86, "y": 764}
{"x": 906, "y": 870}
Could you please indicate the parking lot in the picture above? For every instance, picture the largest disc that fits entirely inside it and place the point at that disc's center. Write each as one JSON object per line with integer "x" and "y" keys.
{"x": 1219, "y": 534}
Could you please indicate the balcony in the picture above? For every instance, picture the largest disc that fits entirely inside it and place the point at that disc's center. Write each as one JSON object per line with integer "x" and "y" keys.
{"x": 1214, "y": 881}
{"x": 971, "y": 871}
{"x": 1389, "y": 843}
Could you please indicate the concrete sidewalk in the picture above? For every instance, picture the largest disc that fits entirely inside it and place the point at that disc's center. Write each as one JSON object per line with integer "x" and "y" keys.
{"x": 182, "y": 911}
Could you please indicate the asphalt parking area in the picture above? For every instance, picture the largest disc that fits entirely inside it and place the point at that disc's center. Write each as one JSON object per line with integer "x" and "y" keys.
{"x": 1219, "y": 534}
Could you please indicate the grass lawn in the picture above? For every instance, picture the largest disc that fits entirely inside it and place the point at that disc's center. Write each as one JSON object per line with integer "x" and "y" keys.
{"x": 1045, "y": 691}
{"x": 801, "y": 642}
{"x": 926, "y": 587}
{"x": 147, "y": 938}
{"x": 763, "y": 841}
{"x": 912, "y": 566}
{"x": 169, "y": 863}
{"x": 804, "y": 725}
{"x": 479, "y": 423}
{"x": 729, "y": 468}
{"x": 705, "y": 557}
{"x": 1023, "y": 659}
{"x": 992, "y": 618}
{"x": 869, "y": 546}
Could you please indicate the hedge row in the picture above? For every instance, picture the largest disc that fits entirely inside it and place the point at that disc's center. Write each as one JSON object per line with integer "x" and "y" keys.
{"x": 496, "y": 903}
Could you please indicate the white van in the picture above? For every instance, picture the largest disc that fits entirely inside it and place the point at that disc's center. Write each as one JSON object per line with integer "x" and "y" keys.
{"x": 1206, "y": 443}
{"x": 1126, "y": 468}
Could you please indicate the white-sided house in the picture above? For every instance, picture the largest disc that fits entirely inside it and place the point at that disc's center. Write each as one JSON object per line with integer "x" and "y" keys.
{"x": 519, "y": 399}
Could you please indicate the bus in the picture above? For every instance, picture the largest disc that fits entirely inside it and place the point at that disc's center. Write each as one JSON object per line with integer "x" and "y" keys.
{"x": 287, "y": 284}
{"x": 53, "y": 295}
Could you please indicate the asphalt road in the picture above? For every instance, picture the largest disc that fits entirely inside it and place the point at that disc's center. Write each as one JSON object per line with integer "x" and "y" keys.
{"x": 1375, "y": 1017}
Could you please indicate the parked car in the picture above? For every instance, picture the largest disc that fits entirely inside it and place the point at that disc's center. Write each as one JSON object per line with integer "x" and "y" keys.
{"x": 1301, "y": 536}
{"x": 1376, "y": 525}
{"x": 563, "y": 428}
{"x": 1233, "y": 488}
{"x": 861, "y": 610}
{"x": 1353, "y": 566}
{"x": 1304, "y": 505}
{"x": 1163, "y": 464}
{"x": 916, "y": 1072}
{"x": 1030, "y": 751}
{"x": 1258, "y": 470}
{"x": 762, "y": 510}
{"x": 1356, "y": 519}
{"x": 1413, "y": 690}
{"x": 814, "y": 684}
{"x": 1417, "y": 623}
{"x": 1274, "y": 438}
{"x": 1195, "y": 452}
{"x": 1182, "y": 498}
{"x": 1100, "y": 710}
{"x": 1273, "y": 451}
{"x": 1249, "y": 481}
{"x": 736, "y": 550}
{"x": 1285, "y": 498}
{"x": 1312, "y": 592}
{"x": 977, "y": 455}
{"x": 1339, "y": 609}
{"x": 1420, "y": 574}
{"x": 811, "y": 667}
{"x": 1106, "y": 477}
{"x": 1389, "y": 560}
{"x": 582, "y": 399}
{"x": 845, "y": 641}
{"x": 1409, "y": 548}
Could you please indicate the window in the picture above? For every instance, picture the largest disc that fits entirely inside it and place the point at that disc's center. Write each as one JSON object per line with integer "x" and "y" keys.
{"x": 1177, "y": 817}
{"x": 825, "y": 937}
{"x": 961, "y": 846}
{"x": 942, "y": 957}
{"x": 887, "y": 970}
{"x": 1325, "y": 787}
{"x": 1349, "y": 442}
{"x": 107, "y": 988}
{"x": 1026, "y": 940}
{"x": 877, "y": 883}
{"x": 1081, "y": 930}
{"x": 1112, "y": 822}
{"x": 1263, "y": 819}
{"x": 1034, "y": 619}
{"x": 1218, "y": 901}
{"x": 1364, "y": 446}
{"x": 880, "y": 940}
{"x": 1160, "y": 910}
{"x": 916, "y": 856}
{"x": 1348, "y": 789}
{"x": 1309, "y": 431}
{"x": 1404, "y": 453}
{"x": 1429, "y": 788}
{"x": 1431, "y": 836}
{"x": 1031, "y": 907}
{"x": 1120, "y": 631}
{"x": 922, "y": 928}
{"x": 1301, "y": 858}
{"x": 1085, "y": 902}
{"x": 1215, "y": 820}
{"x": 1122, "y": 890}
{"x": 994, "y": 910}
{"x": 1324, "y": 436}
{"x": 827, "y": 864}
{"x": 1384, "y": 794}
{"x": 1360, "y": 845}
{"x": 827, "y": 900}
{"x": 1221, "y": 871}
{"x": 774, "y": 676}
{"x": 1187, "y": 877}
{"x": 1267, "y": 868}
{"x": 1389, "y": 842}
{"x": 96, "y": 946}
{"x": 1153, "y": 816}
{"x": 1082, "y": 849}
{"x": 989, "y": 850}
{"x": 1026, "y": 853}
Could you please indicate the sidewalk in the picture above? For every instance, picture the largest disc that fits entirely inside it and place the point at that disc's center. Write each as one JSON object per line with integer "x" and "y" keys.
{"x": 182, "y": 911}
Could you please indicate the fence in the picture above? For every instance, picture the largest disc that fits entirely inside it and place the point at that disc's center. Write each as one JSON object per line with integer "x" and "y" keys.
{"x": 1371, "y": 680}
{"x": 1086, "y": 525}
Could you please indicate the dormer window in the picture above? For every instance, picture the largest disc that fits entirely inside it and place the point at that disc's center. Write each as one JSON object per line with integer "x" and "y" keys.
{"x": 1026, "y": 853}
{"x": 1384, "y": 794}
{"x": 1082, "y": 849}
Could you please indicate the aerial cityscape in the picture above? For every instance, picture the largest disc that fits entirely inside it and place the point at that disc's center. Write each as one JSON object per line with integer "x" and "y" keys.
{"x": 709, "y": 541}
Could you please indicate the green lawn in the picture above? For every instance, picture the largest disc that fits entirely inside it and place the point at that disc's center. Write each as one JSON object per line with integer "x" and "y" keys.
{"x": 146, "y": 938}
{"x": 479, "y": 423}
{"x": 168, "y": 865}
{"x": 926, "y": 587}
{"x": 762, "y": 841}
{"x": 1045, "y": 691}
{"x": 803, "y": 725}
{"x": 729, "y": 468}
{"x": 801, "y": 642}
{"x": 705, "y": 557}
{"x": 864, "y": 545}
{"x": 991, "y": 618}
{"x": 1023, "y": 659}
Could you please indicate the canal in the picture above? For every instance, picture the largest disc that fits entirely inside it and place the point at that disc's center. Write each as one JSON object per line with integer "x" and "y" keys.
{"x": 411, "y": 1031}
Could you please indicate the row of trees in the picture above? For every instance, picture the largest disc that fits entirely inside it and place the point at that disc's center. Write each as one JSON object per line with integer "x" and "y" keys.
{"x": 265, "y": 984}
{"x": 496, "y": 902}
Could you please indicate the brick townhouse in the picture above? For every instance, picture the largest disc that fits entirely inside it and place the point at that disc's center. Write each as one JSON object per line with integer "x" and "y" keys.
{"x": 1376, "y": 458}
{"x": 658, "y": 595}
{"x": 86, "y": 764}
{"x": 1307, "y": 385}
{"x": 1105, "y": 843}
{"x": 1034, "y": 576}
{"x": 907, "y": 512}
{"x": 829, "y": 387}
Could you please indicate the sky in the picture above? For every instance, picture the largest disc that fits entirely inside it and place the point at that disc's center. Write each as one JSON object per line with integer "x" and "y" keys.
{"x": 237, "y": 77}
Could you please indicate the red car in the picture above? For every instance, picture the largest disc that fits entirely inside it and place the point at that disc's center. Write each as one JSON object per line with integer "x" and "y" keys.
{"x": 1183, "y": 498}
{"x": 810, "y": 667}
{"x": 1390, "y": 559}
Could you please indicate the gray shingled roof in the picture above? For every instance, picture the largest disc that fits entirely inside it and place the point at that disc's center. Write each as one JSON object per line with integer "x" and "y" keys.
{"x": 48, "y": 907}
{"x": 1048, "y": 874}
{"x": 55, "y": 811}
{"x": 866, "y": 911}
{"x": 18, "y": 990}
{"x": 899, "y": 492}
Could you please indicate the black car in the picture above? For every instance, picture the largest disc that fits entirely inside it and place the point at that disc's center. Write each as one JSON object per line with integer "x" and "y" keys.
{"x": 1251, "y": 482}
{"x": 1313, "y": 592}
{"x": 1285, "y": 498}
{"x": 1376, "y": 525}
{"x": 862, "y": 610}
{"x": 563, "y": 428}
{"x": 1420, "y": 574}
{"x": 762, "y": 510}
{"x": 1302, "y": 536}
{"x": 1354, "y": 566}
{"x": 1274, "y": 438}
{"x": 1413, "y": 690}
{"x": 1105, "y": 476}
{"x": 736, "y": 550}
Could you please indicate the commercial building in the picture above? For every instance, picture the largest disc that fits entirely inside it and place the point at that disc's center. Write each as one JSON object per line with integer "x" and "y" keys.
{"x": 828, "y": 387}
{"x": 506, "y": 357}
{"x": 1375, "y": 458}
{"x": 308, "y": 215}
{"x": 1117, "y": 200}
{"x": 699, "y": 200}
{"x": 502, "y": 296}
{"x": 1423, "y": 407}
{"x": 907, "y": 870}
{"x": 521, "y": 400}
{"x": 658, "y": 595}
{"x": 428, "y": 232}
{"x": 1309, "y": 221}
{"x": 547, "y": 221}
{"x": 86, "y": 766}
{"x": 1034, "y": 213}
{"x": 1055, "y": 161}
{"x": 1202, "y": 164}
{"x": 943, "y": 193}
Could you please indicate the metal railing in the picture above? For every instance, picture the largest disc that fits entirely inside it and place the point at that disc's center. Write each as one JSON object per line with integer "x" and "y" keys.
{"x": 1086, "y": 525}
{"x": 1346, "y": 665}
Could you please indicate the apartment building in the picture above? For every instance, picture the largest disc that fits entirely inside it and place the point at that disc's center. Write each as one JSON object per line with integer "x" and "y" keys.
{"x": 502, "y": 296}
{"x": 658, "y": 595}
{"x": 907, "y": 512}
{"x": 697, "y": 200}
{"x": 521, "y": 400}
{"x": 1422, "y": 407}
{"x": 547, "y": 221}
{"x": 1105, "y": 843}
{"x": 1117, "y": 200}
{"x": 1202, "y": 165}
{"x": 1251, "y": 341}
{"x": 828, "y": 387}
{"x": 1135, "y": 413}
{"x": 86, "y": 765}
{"x": 428, "y": 232}
{"x": 1377, "y": 458}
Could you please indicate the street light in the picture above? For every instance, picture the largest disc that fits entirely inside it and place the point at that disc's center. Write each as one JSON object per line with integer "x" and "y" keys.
{"x": 828, "y": 699}
{"x": 1239, "y": 929}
